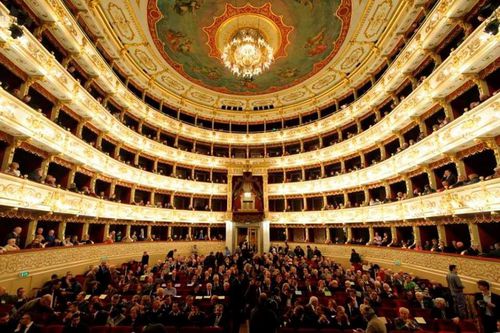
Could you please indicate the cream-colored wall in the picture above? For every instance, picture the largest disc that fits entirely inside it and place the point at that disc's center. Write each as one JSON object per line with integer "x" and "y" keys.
{"x": 42, "y": 263}
{"x": 428, "y": 265}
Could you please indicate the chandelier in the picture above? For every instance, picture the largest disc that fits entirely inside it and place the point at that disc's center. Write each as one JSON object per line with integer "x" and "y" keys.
{"x": 247, "y": 54}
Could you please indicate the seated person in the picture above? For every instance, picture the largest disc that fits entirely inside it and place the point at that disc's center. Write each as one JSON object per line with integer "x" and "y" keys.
{"x": 404, "y": 322}
{"x": 442, "y": 311}
{"x": 36, "y": 175}
{"x": 13, "y": 170}
{"x": 11, "y": 245}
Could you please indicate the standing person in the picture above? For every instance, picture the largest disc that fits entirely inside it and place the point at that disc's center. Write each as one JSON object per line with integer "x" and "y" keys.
{"x": 145, "y": 259}
{"x": 262, "y": 318}
{"x": 375, "y": 324}
{"x": 457, "y": 291}
{"x": 488, "y": 305}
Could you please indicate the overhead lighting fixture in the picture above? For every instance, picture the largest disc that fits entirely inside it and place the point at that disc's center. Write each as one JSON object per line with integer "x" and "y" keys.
{"x": 247, "y": 54}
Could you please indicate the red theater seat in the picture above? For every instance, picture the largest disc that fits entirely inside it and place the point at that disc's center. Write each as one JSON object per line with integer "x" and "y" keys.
{"x": 121, "y": 329}
{"x": 52, "y": 329}
{"x": 100, "y": 329}
{"x": 468, "y": 326}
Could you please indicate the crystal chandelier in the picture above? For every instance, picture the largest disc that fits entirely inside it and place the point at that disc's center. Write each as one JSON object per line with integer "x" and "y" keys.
{"x": 247, "y": 54}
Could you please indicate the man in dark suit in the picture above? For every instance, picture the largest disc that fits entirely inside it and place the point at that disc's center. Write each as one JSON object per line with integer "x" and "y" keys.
{"x": 442, "y": 311}
{"x": 26, "y": 325}
{"x": 488, "y": 305}
{"x": 421, "y": 302}
{"x": 7, "y": 324}
{"x": 145, "y": 259}
{"x": 16, "y": 234}
{"x": 218, "y": 318}
{"x": 262, "y": 318}
{"x": 75, "y": 325}
{"x": 449, "y": 178}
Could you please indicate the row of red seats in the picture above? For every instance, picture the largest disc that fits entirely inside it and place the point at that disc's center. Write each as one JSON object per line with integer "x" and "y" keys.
{"x": 129, "y": 329}
{"x": 436, "y": 326}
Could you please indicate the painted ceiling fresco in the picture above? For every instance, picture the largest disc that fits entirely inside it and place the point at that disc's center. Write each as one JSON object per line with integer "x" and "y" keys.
{"x": 318, "y": 28}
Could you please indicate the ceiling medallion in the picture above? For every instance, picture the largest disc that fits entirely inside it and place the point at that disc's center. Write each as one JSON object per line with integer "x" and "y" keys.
{"x": 247, "y": 54}
{"x": 248, "y": 39}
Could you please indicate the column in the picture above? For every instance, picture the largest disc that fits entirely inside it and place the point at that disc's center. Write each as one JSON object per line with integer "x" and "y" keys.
{"x": 139, "y": 126}
{"x": 434, "y": 56}
{"x": 303, "y": 172}
{"x": 106, "y": 232}
{"x": 348, "y": 234}
{"x": 112, "y": 187}
{"x": 460, "y": 165}
{"x": 413, "y": 80}
{"x": 85, "y": 230}
{"x": 421, "y": 124}
{"x": 127, "y": 237}
{"x": 98, "y": 141}
{"x": 346, "y": 197}
{"x": 394, "y": 235}
{"x": 89, "y": 82}
{"x": 474, "y": 235}
{"x": 448, "y": 110}
{"x": 116, "y": 153}
{"x": 92, "y": 183}
{"x": 265, "y": 236}
{"x": 229, "y": 236}
{"x": 71, "y": 176}
{"x": 325, "y": 201}
{"x": 191, "y": 200}
{"x": 482, "y": 86}
{"x": 61, "y": 230}
{"x": 25, "y": 86}
{"x": 388, "y": 190}
{"x": 190, "y": 232}
{"x": 31, "y": 231}
{"x": 230, "y": 194}
{"x": 265, "y": 195}
{"x": 136, "y": 158}
{"x": 149, "y": 230}
{"x": 45, "y": 165}
{"x": 432, "y": 177}
{"x": 54, "y": 112}
{"x": 363, "y": 159}
{"x": 172, "y": 201}
{"x": 327, "y": 234}
{"x": 132, "y": 194}
{"x": 339, "y": 134}
{"x": 152, "y": 197}
{"x": 371, "y": 232}
{"x": 416, "y": 236}
{"x": 306, "y": 234}
{"x": 359, "y": 128}
{"x": 409, "y": 187}
{"x": 491, "y": 144}
{"x": 441, "y": 233}
{"x": 8, "y": 156}
{"x": 401, "y": 138}
{"x": 169, "y": 232}
{"x": 209, "y": 232}
{"x": 383, "y": 151}
{"x": 304, "y": 200}
{"x": 366, "y": 193}
{"x": 322, "y": 166}
{"x": 342, "y": 165}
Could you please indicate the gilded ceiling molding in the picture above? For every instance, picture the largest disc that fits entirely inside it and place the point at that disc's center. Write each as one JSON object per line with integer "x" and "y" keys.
{"x": 55, "y": 79}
